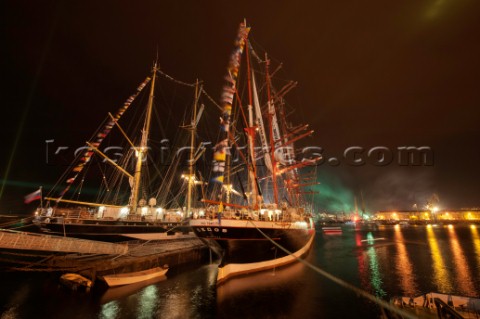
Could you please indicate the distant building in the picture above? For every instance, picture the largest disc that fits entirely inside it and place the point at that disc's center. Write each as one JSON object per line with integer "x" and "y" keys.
{"x": 426, "y": 215}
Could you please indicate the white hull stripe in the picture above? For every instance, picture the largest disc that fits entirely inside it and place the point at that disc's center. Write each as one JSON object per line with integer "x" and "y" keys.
{"x": 158, "y": 236}
{"x": 238, "y": 269}
{"x": 248, "y": 224}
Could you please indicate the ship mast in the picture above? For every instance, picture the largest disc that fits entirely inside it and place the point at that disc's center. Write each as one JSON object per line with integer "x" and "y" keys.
{"x": 229, "y": 91}
{"x": 271, "y": 113}
{"x": 191, "y": 175}
{"x": 251, "y": 130}
{"x": 141, "y": 151}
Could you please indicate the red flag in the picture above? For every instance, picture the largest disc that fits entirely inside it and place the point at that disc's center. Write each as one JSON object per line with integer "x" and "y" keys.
{"x": 36, "y": 195}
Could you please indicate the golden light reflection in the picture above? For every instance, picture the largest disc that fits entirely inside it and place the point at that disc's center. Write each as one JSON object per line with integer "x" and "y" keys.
{"x": 403, "y": 264}
{"x": 463, "y": 270}
{"x": 440, "y": 274}
{"x": 476, "y": 243}
{"x": 176, "y": 303}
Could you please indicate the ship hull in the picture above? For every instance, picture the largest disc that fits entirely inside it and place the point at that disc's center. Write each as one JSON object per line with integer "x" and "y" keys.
{"x": 114, "y": 231}
{"x": 245, "y": 249}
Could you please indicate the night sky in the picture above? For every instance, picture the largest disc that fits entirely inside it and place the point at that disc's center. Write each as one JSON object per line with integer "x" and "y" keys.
{"x": 371, "y": 73}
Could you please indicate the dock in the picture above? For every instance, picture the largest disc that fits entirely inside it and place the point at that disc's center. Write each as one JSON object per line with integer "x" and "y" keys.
{"x": 16, "y": 240}
{"x": 32, "y": 252}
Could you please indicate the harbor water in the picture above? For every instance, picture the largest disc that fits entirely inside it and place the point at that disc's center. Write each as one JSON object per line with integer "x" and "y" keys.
{"x": 384, "y": 261}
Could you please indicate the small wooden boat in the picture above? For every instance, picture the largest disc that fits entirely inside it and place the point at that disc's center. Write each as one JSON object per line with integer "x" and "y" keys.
{"x": 134, "y": 277}
{"x": 118, "y": 292}
{"x": 75, "y": 281}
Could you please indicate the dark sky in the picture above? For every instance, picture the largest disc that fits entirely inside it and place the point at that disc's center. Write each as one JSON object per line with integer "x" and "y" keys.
{"x": 371, "y": 73}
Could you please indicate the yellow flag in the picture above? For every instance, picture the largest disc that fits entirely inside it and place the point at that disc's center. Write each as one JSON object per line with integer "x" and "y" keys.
{"x": 220, "y": 207}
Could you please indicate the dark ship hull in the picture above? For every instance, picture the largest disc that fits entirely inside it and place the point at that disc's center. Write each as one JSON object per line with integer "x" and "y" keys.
{"x": 113, "y": 231}
{"x": 244, "y": 248}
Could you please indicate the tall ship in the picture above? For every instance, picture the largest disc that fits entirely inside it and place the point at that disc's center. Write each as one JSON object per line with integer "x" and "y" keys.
{"x": 257, "y": 214}
{"x": 137, "y": 190}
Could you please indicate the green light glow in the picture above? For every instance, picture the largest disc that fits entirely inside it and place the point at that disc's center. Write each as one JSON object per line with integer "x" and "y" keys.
{"x": 110, "y": 310}
{"x": 35, "y": 185}
{"x": 147, "y": 301}
{"x": 22, "y": 184}
{"x": 13, "y": 150}
{"x": 376, "y": 277}
{"x": 332, "y": 195}
{"x": 30, "y": 96}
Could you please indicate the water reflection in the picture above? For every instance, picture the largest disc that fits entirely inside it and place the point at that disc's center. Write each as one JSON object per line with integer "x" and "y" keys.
{"x": 362, "y": 269}
{"x": 463, "y": 274}
{"x": 440, "y": 274}
{"x": 259, "y": 281}
{"x": 446, "y": 262}
{"x": 375, "y": 273}
{"x": 276, "y": 293}
{"x": 147, "y": 302}
{"x": 109, "y": 310}
{"x": 476, "y": 243}
{"x": 189, "y": 295}
{"x": 127, "y": 290}
{"x": 404, "y": 265}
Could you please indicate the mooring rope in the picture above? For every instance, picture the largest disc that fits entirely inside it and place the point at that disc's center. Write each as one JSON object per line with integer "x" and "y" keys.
{"x": 339, "y": 281}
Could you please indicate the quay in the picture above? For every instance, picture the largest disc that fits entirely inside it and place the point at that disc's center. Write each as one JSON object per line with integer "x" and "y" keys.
{"x": 20, "y": 251}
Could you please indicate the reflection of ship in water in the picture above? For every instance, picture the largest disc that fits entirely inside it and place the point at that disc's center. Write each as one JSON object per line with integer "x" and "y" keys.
{"x": 278, "y": 285}
{"x": 268, "y": 279}
{"x": 406, "y": 265}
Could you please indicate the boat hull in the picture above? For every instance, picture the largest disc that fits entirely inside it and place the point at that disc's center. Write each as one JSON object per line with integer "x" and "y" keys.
{"x": 134, "y": 277}
{"x": 247, "y": 246}
{"x": 76, "y": 281}
{"x": 113, "y": 230}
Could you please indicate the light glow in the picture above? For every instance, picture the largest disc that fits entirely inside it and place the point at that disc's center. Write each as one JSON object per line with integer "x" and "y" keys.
{"x": 124, "y": 211}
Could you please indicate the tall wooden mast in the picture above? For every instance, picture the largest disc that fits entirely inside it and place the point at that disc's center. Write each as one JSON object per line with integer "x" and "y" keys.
{"x": 191, "y": 174}
{"x": 271, "y": 113}
{"x": 141, "y": 151}
{"x": 251, "y": 130}
{"x": 229, "y": 90}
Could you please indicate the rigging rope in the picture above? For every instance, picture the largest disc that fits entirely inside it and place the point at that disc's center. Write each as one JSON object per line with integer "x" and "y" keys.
{"x": 339, "y": 281}
{"x": 175, "y": 80}
{"x": 211, "y": 99}
{"x": 85, "y": 156}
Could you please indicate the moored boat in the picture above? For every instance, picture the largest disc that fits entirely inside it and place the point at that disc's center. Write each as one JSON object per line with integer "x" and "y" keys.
{"x": 131, "y": 196}
{"x": 134, "y": 277}
{"x": 75, "y": 281}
